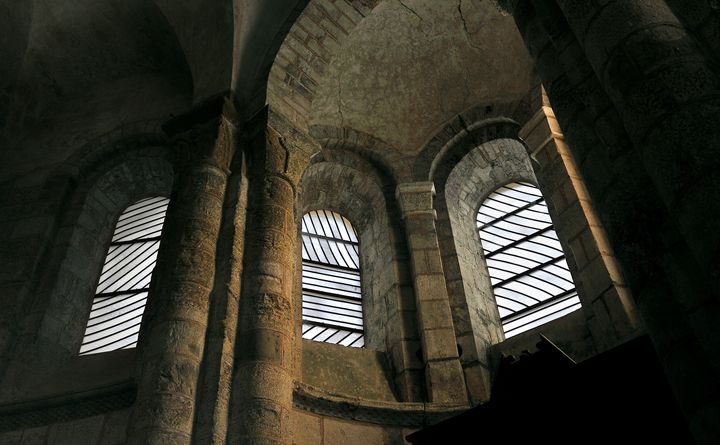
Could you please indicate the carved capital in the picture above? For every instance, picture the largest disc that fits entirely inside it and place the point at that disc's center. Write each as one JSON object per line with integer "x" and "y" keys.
{"x": 416, "y": 198}
{"x": 213, "y": 142}
{"x": 278, "y": 147}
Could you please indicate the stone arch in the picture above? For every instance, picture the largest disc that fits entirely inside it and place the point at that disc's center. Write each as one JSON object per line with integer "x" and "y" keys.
{"x": 385, "y": 159}
{"x": 469, "y": 129}
{"x": 330, "y": 186}
{"x": 345, "y": 183}
{"x": 71, "y": 261}
{"x": 461, "y": 189}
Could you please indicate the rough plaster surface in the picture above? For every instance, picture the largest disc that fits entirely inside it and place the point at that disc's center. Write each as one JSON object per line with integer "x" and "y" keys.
{"x": 411, "y": 66}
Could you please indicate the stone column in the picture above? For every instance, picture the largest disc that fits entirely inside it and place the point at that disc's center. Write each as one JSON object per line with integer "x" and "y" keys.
{"x": 263, "y": 380}
{"x": 175, "y": 321}
{"x": 666, "y": 92}
{"x": 443, "y": 371}
{"x": 672, "y": 292}
{"x": 213, "y": 402}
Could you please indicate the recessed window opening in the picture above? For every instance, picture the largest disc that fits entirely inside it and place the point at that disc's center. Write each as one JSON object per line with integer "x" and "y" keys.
{"x": 332, "y": 299}
{"x": 530, "y": 277}
{"x": 124, "y": 282}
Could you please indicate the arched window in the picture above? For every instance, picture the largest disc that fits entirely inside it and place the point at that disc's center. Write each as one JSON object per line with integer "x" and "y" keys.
{"x": 122, "y": 289}
{"x": 530, "y": 277}
{"x": 332, "y": 301}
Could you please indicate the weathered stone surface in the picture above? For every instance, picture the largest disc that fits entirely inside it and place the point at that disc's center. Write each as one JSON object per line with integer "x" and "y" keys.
{"x": 403, "y": 89}
{"x": 176, "y": 322}
{"x": 351, "y": 433}
{"x": 81, "y": 431}
{"x": 306, "y": 428}
{"x": 404, "y": 96}
{"x": 350, "y": 371}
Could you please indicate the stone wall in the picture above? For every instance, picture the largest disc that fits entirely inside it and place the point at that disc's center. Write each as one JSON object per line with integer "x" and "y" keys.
{"x": 307, "y": 51}
{"x": 313, "y": 429}
{"x": 69, "y": 262}
{"x": 353, "y": 372}
{"x": 101, "y": 429}
{"x": 388, "y": 306}
{"x": 479, "y": 173}
{"x": 607, "y": 303}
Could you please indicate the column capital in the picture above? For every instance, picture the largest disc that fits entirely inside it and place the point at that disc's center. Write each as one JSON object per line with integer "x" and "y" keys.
{"x": 416, "y": 198}
{"x": 286, "y": 151}
{"x": 207, "y": 135}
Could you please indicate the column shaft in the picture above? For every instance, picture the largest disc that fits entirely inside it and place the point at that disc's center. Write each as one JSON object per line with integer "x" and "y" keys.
{"x": 443, "y": 372}
{"x": 671, "y": 290}
{"x": 175, "y": 321}
{"x": 263, "y": 380}
{"x": 213, "y": 404}
{"x": 668, "y": 96}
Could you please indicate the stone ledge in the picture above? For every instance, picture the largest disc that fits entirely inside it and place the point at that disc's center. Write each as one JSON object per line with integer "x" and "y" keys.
{"x": 409, "y": 414}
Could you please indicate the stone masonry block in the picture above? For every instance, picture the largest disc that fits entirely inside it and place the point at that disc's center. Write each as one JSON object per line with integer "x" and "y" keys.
{"x": 578, "y": 251}
{"x": 266, "y": 345}
{"x": 351, "y": 433}
{"x": 467, "y": 344}
{"x": 439, "y": 344}
{"x": 404, "y": 354}
{"x": 409, "y": 323}
{"x": 621, "y": 310}
{"x": 79, "y": 431}
{"x": 426, "y": 240}
{"x": 426, "y": 261}
{"x": 407, "y": 298}
{"x": 415, "y": 196}
{"x": 306, "y": 428}
{"x": 165, "y": 411}
{"x": 177, "y": 336}
{"x": 269, "y": 381}
{"x": 445, "y": 382}
{"x": 572, "y": 221}
{"x": 430, "y": 287}
{"x": 35, "y": 436}
{"x": 11, "y": 437}
{"x": 595, "y": 278}
{"x": 477, "y": 379}
{"x": 601, "y": 325}
{"x": 114, "y": 428}
{"x": 411, "y": 384}
{"x": 435, "y": 315}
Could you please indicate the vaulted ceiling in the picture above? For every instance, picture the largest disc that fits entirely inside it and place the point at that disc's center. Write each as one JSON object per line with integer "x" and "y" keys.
{"x": 400, "y": 71}
{"x": 395, "y": 70}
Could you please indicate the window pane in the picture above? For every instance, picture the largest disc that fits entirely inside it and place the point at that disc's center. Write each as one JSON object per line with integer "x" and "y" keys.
{"x": 332, "y": 300}
{"x": 122, "y": 289}
{"x": 530, "y": 277}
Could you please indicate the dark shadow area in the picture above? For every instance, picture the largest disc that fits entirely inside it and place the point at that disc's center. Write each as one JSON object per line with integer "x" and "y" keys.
{"x": 620, "y": 396}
